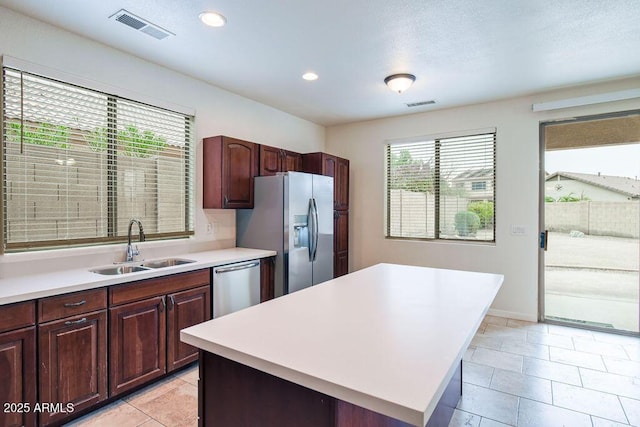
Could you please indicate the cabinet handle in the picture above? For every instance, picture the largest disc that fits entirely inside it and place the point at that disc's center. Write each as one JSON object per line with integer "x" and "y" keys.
{"x": 226, "y": 201}
{"x": 75, "y": 304}
{"x": 75, "y": 322}
{"x": 164, "y": 304}
{"x": 172, "y": 302}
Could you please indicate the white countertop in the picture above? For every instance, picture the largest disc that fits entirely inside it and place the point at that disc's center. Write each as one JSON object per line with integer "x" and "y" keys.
{"x": 387, "y": 338}
{"x": 42, "y": 285}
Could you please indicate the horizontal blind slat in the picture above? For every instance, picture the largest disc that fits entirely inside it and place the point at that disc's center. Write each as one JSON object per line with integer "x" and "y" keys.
{"x": 59, "y": 187}
{"x": 432, "y": 184}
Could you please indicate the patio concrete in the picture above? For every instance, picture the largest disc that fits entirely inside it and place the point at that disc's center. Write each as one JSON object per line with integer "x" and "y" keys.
{"x": 593, "y": 278}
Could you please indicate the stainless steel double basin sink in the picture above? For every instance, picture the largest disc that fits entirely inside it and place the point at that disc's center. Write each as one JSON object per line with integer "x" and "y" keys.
{"x": 143, "y": 266}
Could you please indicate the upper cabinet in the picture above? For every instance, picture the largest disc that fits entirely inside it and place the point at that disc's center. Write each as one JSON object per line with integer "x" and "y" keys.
{"x": 229, "y": 166}
{"x": 274, "y": 160}
{"x": 338, "y": 168}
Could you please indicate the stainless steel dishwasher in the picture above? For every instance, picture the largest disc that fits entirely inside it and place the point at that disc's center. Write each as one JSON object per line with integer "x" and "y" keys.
{"x": 235, "y": 286}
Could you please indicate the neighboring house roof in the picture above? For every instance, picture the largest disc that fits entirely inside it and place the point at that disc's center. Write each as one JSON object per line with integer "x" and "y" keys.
{"x": 620, "y": 184}
{"x": 475, "y": 173}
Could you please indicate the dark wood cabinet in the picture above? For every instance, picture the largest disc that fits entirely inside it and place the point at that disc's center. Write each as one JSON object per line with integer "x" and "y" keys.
{"x": 338, "y": 168}
{"x": 340, "y": 243}
{"x": 267, "y": 278}
{"x": 291, "y": 161}
{"x": 18, "y": 364}
{"x": 137, "y": 343}
{"x": 229, "y": 166}
{"x": 184, "y": 309}
{"x": 274, "y": 160}
{"x": 341, "y": 184}
{"x": 73, "y": 363}
{"x": 145, "y": 319}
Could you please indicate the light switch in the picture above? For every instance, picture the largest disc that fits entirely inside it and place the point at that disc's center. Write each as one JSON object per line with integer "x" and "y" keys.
{"x": 518, "y": 230}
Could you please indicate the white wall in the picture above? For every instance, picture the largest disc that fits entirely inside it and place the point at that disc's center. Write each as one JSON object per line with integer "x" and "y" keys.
{"x": 217, "y": 112}
{"x": 517, "y": 189}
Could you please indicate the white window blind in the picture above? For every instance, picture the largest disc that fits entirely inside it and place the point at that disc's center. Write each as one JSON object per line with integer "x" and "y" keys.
{"x": 442, "y": 188}
{"x": 79, "y": 164}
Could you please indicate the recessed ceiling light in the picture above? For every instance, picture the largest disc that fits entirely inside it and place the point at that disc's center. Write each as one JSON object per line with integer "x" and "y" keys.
{"x": 213, "y": 19}
{"x": 310, "y": 76}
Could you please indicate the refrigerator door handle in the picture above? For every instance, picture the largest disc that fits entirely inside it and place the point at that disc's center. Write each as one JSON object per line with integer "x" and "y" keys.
{"x": 315, "y": 229}
{"x": 312, "y": 225}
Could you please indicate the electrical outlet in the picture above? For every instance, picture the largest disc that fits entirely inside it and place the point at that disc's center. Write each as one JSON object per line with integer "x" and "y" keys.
{"x": 209, "y": 228}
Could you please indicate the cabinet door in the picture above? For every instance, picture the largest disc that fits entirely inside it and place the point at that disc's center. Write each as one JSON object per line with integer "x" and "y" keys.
{"x": 18, "y": 376}
{"x": 329, "y": 165}
{"x": 267, "y": 278}
{"x": 341, "y": 184}
{"x": 73, "y": 362}
{"x": 137, "y": 343}
{"x": 239, "y": 166}
{"x": 184, "y": 309}
{"x": 291, "y": 161}
{"x": 340, "y": 243}
{"x": 270, "y": 160}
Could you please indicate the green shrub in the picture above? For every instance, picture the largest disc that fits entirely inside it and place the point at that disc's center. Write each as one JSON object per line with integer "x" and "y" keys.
{"x": 484, "y": 210}
{"x": 467, "y": 223}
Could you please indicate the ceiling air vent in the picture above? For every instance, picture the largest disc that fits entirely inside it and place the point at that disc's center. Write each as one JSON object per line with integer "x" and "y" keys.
{"x": 139, "y": 24}
{"x": 421, "y": 103}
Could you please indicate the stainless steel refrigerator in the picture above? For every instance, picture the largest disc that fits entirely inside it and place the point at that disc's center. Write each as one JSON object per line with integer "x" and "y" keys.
{"x": 292, "y": 215}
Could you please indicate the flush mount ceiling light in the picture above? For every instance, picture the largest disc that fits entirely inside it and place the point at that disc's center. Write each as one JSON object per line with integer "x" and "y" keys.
{"x": 400, "y": 82}
{"x": 310, "y": 76}
{"x": 213, "y": 19}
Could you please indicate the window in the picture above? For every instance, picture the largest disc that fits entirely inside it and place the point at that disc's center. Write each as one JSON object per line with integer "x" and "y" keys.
{"x": 78, "y": 164}
{"x": 478, "y": 185}
{"x": 442, "y": 188}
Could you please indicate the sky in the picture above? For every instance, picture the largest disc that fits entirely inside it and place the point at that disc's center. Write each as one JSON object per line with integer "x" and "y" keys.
{"x": 619, "y": 160}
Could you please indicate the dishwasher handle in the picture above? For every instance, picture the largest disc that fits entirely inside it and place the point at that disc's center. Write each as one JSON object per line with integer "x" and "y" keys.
{"x": 236, "y": 267}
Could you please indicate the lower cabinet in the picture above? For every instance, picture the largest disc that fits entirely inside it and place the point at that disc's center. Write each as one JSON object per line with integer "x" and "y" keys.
{"x": 137, "y": 338}
{"x": 267, "y": 278}
{"x": 18, "y": 377}
{"x": 18, "y": 364}
{"x": 186, "y": 308}
{"x": 145, "y": 319}
{"x": 73, "y": 364}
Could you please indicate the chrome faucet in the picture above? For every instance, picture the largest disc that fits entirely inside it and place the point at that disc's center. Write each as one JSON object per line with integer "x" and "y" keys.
{"x": 131, "y": 252}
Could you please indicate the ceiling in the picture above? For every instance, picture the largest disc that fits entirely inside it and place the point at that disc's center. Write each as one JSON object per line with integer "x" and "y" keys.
{"x": 461, "y": 51}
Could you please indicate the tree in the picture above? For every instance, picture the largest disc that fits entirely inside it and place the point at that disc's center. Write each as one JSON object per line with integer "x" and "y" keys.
{"x": 42, "y": 133}
{"x": 407, "y": 173}
{"x": 410, "y": 174}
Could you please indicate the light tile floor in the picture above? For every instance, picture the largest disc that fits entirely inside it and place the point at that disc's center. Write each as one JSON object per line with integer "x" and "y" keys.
{"x": 515, "y": 374}
{"x": 532, "y": 374}
{"x": 172, "y": 402}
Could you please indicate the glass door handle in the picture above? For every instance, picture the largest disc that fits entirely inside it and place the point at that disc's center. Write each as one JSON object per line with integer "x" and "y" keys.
{"x": 544, "y": 239}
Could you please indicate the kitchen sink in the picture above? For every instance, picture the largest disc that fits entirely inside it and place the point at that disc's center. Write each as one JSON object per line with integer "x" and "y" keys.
{"x": 169, "y": 262}
{"x": 144, "y": 266}
{"x": 119, "y": 269}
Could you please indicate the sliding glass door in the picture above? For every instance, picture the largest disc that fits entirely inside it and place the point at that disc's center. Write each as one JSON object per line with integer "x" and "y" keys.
{"x": 591, "y": 211}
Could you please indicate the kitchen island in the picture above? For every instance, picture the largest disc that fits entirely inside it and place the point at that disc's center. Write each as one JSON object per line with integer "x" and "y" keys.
{"x": 378, "y": 347}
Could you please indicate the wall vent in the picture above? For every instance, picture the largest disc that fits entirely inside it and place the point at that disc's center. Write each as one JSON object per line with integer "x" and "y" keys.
{"x": 139, "y": 24}
{"x": 418, "y": 104}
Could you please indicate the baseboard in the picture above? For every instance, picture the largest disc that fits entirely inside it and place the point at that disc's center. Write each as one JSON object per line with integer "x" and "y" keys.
{"x": 512, "y": 315}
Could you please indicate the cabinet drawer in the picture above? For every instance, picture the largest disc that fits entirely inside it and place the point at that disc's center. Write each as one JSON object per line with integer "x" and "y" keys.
{"x": 136, "y": 291}
{"x": 17, "y": 315}
{"x": 57, "y": 307}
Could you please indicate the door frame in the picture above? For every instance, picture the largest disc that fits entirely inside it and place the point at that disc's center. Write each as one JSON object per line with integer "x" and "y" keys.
{"x": 541, "y": 217}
